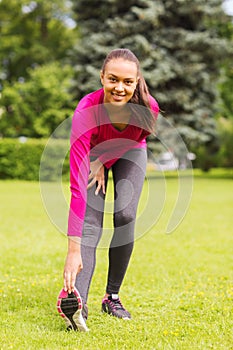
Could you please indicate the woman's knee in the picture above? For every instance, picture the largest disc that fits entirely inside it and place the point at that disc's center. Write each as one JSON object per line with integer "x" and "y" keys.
{"x": 124, "y": 217}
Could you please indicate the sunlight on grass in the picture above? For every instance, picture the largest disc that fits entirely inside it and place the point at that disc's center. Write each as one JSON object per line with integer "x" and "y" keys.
{"x": 179, "y": 287}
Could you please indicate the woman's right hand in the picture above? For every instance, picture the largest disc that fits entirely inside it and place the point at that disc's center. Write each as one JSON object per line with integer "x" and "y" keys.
{"x": 73, "y": 264}
{"x": 96, "y": 176}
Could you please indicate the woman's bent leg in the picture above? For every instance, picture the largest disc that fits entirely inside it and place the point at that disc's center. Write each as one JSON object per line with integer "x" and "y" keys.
{"x": 128, "y": 175}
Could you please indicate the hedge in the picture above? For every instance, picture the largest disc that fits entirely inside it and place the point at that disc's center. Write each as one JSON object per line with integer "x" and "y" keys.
{"x": 34, "y": 159}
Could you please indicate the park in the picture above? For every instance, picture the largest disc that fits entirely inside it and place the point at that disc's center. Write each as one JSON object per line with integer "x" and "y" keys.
{"x": 179, "y": 282}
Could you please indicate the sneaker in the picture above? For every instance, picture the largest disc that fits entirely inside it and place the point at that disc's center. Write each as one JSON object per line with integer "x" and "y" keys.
{"x": 85, "y": 312}
{"x": 70, "y": 308}
{"x": 112, "y": 306}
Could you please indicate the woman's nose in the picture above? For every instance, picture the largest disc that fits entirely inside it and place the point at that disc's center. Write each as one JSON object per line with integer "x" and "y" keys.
{"x": 119, "y": 87}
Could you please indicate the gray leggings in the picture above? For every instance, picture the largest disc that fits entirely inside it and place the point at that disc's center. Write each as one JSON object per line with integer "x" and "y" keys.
{"x": 128, "y": 178}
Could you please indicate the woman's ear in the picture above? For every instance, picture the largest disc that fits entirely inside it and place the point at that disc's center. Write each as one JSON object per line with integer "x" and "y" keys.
{"x": 101, "y": 77}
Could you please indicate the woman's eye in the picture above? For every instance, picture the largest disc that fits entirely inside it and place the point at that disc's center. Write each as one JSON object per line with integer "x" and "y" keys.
{"x": 129, "y": 82}
{"x": 112, "y": 79}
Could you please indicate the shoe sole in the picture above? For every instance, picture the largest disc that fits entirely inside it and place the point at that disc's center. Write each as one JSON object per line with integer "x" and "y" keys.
{"x": 69, "y": 306}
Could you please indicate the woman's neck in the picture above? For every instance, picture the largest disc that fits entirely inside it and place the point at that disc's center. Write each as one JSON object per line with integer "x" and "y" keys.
{"x": 119, "y": 116}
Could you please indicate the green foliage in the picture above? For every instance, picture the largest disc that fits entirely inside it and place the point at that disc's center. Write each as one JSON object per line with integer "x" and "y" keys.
{"x": 54, "y": 163}
{"x": 21, "y": 159}
{"x": 32, "y": 33}
{"x": 34, "y": 72}
{"x": 225, "y": 154}
{"x": 204, "y": 159}
{"x": 225, "y": 85}
{"x": 35, "y": 107}
{"x": 226, "y": 88}
{"x": 223, "y": 158}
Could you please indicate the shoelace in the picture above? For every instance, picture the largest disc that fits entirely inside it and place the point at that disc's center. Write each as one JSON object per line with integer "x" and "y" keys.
{"x": 116, "y": 304}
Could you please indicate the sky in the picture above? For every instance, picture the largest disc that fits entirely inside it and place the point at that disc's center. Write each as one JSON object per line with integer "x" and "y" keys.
{"x": 228, "y": 7}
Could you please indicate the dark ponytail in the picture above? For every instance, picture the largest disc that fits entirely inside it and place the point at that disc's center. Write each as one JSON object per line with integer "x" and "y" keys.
{"x": 145, "y": 117}
{"x": 141, "y": 97}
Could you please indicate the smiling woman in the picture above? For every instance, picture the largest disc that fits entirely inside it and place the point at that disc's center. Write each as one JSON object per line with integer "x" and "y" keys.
{"x": 109, "y": 131}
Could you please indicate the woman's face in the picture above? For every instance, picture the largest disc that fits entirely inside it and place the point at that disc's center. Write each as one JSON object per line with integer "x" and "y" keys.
{"x": 119, "y": 81}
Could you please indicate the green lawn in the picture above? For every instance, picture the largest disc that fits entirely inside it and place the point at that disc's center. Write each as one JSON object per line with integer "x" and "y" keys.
{"x": 179, "y": 287}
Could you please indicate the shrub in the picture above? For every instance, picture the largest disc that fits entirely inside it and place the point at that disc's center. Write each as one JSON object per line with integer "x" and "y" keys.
{"x": 226, "y": 136}
{"x": 22, "y": 160}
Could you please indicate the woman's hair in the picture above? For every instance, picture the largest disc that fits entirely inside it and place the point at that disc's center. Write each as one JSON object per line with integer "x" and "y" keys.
{"x": 141, "y": 94}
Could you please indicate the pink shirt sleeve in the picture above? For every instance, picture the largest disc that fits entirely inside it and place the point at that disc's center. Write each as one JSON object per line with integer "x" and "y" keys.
{"x": 83, "y": 127}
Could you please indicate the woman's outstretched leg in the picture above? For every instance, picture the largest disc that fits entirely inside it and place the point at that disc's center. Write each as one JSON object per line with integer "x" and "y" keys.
{"x": 92, "y": 232}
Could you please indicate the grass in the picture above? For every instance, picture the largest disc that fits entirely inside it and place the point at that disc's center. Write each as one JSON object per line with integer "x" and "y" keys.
{"x": 179, "y": 287}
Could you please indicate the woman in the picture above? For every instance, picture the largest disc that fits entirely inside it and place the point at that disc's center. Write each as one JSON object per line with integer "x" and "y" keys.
{"x": 109, "y": 129}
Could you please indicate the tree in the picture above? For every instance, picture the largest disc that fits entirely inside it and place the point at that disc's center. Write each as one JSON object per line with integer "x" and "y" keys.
{"x": 35, "y": 108}
{"x": 32, "y": 33}
{"x": 112, "y": 24}
{"x": 34, "y": 76}
{"x": 180, "y": 49}
{"x": 226, "y": 82}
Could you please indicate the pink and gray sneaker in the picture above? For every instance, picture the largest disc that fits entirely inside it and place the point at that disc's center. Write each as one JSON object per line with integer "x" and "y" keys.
{"x": 71, "y": 309}
{"x": 112, "y": 306}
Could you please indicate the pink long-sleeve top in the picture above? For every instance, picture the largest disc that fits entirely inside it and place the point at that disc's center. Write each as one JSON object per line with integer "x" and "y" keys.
{"x": 92, "y": 134}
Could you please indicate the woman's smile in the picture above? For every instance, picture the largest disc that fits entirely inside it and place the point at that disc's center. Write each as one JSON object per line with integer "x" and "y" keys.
{"x": 118, "y": 97}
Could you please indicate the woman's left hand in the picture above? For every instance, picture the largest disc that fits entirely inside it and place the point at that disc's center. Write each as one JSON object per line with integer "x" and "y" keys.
{"x": 96, "y": 175}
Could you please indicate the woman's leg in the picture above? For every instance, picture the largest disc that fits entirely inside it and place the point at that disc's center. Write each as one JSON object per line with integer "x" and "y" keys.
{"x": 92, "y": 232}
{"x": 128, "y": 176}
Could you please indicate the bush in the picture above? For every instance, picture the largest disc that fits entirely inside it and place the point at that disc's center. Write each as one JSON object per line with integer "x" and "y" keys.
{"x": 226, "y": 136}
{"x": 21, "y": 159}
{"x": 204, "y": 159}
